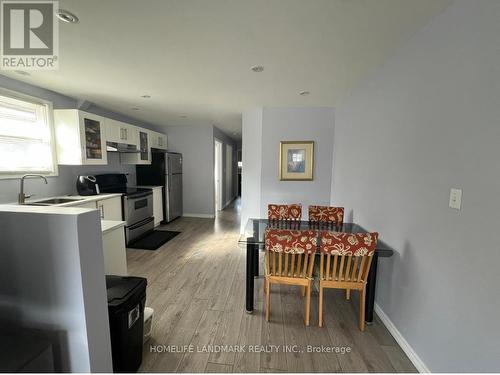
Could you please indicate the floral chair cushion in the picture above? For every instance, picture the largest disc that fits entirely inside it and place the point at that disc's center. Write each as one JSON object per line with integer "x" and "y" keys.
{"x": 357, "y": 244}
{"x": 326, "y": 214}
{"x": 291, "y": 241}
{"x": 284, "y": 211}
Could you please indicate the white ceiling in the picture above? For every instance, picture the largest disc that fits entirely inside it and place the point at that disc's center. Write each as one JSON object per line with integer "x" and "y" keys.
{"x": 194, "y": 56}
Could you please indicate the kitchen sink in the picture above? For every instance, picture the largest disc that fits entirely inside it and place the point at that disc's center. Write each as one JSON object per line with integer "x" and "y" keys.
{"x": 49, "y": 202}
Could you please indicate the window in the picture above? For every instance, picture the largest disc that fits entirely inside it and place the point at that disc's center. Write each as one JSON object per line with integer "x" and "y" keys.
{"x": 26, "y": 141}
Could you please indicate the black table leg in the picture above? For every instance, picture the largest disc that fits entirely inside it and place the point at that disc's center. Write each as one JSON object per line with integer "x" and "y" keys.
{"x": 256, "y": 261}
{"x": 370, "y": 290}
{"x": 250, "y": 276}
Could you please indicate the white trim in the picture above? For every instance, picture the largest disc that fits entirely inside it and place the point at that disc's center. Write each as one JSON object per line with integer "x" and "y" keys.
{"x": 409, "y": 351}
{"x": 206, "y": 216}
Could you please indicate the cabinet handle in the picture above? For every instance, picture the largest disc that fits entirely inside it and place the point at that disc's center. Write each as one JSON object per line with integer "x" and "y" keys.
{"x": 102, "y": 211}
{"x": 125, "y": 131}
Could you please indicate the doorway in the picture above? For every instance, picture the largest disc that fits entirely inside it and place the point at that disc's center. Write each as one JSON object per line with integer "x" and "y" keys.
{"x": 229, "y": 174}
{"x": 218, "y": 174}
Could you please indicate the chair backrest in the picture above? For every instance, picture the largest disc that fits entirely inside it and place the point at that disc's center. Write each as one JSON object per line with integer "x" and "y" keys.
{"x": 280, "y": 212}
{"x": 346, "y": 256}
{"x": 290, "y": 253}
{"x": 326, "y": 214}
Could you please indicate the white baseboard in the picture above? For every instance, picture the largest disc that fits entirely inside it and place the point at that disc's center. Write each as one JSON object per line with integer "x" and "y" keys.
{"x": 205, "y": 216}
{"x": 412, "y": 355}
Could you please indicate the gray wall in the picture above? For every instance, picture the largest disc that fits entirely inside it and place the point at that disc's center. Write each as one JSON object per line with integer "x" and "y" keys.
{"x": 263, "y": 129}
{"x": 196, "y": 145}
{"x": 426, "y": 122}
{"x": 65, "y": 182}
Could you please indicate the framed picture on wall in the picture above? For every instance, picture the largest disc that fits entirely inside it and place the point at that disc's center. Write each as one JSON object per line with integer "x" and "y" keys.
{"x": 296, "y": 161}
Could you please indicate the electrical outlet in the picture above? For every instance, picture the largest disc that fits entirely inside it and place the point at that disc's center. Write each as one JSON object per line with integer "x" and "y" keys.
{"x": 456, "y": 198}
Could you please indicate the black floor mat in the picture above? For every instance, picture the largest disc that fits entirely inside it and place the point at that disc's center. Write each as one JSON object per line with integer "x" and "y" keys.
{"x": 153, "y": 240}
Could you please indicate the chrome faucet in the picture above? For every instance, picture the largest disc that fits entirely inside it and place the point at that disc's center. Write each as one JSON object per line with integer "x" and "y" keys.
{"x": 22, "y": 196}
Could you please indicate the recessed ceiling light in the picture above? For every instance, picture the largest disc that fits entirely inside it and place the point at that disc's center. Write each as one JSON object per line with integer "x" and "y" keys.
{"x": 304, "y": 93}
{"x": 257, "y": 68}
{"x": 146, "y": 96}
{"x": 22, "y": 72}
{"x": 134, "y": 108}
{"x": 183, "y": 116}
{"x": 67, "y": 16}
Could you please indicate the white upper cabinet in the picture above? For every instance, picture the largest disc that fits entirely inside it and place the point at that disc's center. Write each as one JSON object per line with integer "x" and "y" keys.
{"x": 144, "y": 145}
{"x": 80, "y": 137}
{"x": 158, "y": 140}
{"x": 120, "y": 132}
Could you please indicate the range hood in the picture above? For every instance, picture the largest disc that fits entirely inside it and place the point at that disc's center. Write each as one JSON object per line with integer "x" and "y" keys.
{"x": 123, "y": 148}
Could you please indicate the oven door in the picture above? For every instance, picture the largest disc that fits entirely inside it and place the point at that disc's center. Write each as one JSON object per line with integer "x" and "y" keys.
{"x": 139, "y": 229}
{"x": 137, "y": 209}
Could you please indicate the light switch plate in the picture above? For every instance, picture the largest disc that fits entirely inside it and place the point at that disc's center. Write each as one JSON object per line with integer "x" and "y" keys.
{"x": 456, "y": 198}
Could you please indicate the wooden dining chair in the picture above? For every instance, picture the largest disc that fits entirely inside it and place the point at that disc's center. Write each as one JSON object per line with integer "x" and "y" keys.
{"x": 290, "y": 261}
{"x": 326, "y": 214}
{"x": 344, "y": 264}
{"x": 284, "y": 212}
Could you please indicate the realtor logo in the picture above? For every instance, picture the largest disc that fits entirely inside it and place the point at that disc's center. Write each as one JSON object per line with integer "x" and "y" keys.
{"x": 29, "y": 35}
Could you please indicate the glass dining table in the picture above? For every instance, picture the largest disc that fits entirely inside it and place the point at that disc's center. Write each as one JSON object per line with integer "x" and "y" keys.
{"x": 253, "y": 238}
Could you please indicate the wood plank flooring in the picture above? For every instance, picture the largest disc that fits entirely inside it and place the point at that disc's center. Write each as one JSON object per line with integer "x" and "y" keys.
{"x": 196, "y": 286}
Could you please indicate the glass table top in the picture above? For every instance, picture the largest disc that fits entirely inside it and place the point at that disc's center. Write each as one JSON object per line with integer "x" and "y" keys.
{"x": 255, "y": 229}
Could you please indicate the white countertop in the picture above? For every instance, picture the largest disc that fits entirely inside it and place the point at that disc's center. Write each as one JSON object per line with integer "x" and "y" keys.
{"x": 82, "y": 199}
{"x": 110, "y": 225}
{"x": 149, "y": 187}
{"x": 53, "y": 209}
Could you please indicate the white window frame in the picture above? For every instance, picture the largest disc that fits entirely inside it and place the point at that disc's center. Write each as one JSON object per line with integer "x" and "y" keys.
{"x": 50, "y": 119}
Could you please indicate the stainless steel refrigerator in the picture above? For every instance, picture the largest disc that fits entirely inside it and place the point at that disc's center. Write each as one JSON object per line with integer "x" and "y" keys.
{"x": 166, "y": 171}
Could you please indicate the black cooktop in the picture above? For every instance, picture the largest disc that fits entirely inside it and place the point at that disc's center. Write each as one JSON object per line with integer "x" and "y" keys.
{"x": 117, "y": 183}
{"x": 125, "y": 190}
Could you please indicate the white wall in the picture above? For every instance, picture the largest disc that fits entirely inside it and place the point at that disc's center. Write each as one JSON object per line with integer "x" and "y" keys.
{"x": 196, "y": 145}
{"x": 263, "y": 129}
{"x": 52, "y": 279}
{"x": 228, "y": 191}
{"x": 251, "y": 157}
{"x": 426, "y": 122}
{"x": 296, "y": 124}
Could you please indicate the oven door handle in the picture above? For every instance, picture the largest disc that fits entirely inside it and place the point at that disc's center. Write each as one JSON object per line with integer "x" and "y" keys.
{"x": 139, "y": 195}
{"x": 141, "y": 223}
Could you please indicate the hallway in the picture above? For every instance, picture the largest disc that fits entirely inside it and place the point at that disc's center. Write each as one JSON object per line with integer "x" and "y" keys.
{"x": 196, "y": 285}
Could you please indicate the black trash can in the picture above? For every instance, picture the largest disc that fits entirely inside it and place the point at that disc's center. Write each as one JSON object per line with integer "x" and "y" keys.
{"x": 126, "y": 299}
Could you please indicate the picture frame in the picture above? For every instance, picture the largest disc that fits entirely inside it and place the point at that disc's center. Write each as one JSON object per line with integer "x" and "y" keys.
{"x": 296, "y": 161}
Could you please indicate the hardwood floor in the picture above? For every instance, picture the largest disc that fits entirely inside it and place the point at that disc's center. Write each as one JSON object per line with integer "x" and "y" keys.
{"x": 196, "y": 286}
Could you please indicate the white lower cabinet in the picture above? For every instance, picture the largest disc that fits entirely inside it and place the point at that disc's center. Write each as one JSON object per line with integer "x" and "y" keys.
{"x": 110, "y": 209}
{"x": 157, "y": 202}
{"x": 115, "y": 256}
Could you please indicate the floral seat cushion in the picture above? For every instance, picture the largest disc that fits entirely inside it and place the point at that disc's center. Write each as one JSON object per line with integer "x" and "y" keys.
{"x": 326, "y": 214}
{"x": 356, "y": 244}
{"x": 291, "y": 241}
{"x": 284, "y": 211}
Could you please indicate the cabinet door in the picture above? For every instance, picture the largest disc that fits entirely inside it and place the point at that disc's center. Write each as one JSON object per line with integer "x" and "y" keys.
{"x": 113, "y": 131}
{"x": 110, "y": 209}
{"x": 129, "y": 134}
{"x": 158, "y": 205}
{"x": 115, "y": 255}
{"x": 93, "y": 140}
{"x": 87, "y": 205}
